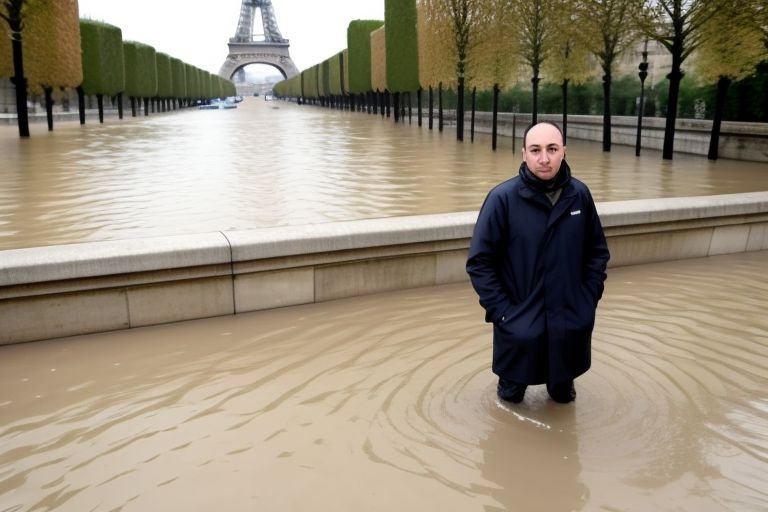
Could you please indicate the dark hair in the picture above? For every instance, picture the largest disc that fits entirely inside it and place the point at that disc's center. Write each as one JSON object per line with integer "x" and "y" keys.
{"x": 525, "y": 134}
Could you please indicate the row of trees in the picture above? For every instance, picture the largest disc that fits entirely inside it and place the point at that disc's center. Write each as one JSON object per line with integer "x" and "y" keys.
{"x": 46, "y": 49}
{"x": 492, "y": 44}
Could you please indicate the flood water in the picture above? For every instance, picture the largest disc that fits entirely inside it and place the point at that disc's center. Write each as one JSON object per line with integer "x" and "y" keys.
{"x": 273, "y": 163}
{"x": 387, "y": 402}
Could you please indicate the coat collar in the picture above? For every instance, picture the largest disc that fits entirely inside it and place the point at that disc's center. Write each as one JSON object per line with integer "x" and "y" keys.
{"x": 534, "y": 189}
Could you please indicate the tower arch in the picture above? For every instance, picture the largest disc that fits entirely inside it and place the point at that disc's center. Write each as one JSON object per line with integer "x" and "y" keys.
{"x": 250, "y": 47}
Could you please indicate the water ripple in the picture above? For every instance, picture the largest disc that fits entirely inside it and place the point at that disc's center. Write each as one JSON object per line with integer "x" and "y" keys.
{"x": 387, "y": 402}
{"x": 257, "y": 166}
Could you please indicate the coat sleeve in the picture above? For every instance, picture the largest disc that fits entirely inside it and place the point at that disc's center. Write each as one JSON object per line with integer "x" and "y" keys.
{"x": 485, "y": 251}
{"x": 596, "y": 255}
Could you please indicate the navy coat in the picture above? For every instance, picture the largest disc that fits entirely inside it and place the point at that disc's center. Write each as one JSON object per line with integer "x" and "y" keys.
{"x": 539, "y": 271}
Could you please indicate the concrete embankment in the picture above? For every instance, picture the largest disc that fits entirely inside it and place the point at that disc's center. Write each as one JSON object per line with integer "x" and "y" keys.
{"x": 738, "y": 141}
{"x": 56, "y": 291}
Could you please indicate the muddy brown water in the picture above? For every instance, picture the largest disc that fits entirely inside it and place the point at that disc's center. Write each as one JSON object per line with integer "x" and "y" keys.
{"x": 387, "y": 402}
{"x": 270, "y": 164}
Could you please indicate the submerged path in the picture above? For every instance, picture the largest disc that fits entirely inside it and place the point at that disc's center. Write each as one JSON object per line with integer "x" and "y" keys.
{"x": 269, "y": 164}
{"x": 386, "y": 402}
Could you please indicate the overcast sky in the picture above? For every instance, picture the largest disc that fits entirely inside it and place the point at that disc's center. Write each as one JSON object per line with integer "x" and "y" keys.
{"x": 197, "y": 35}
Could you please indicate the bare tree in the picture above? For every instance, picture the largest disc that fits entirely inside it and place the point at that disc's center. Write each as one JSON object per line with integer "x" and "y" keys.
{"x": 608, "y": 29}
{"x": 569, "y": 61}
{"x": 535, "y": 27}
{"x": 495, "y": 58}
{"x": 732, "y": 46}
{"x": 677, "y": 25}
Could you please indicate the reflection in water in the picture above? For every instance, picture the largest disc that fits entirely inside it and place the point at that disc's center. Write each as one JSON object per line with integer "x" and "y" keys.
{"x": 531, "y": 454}
{"x": 271, "y": 163}
{"x": 387, "y": 402}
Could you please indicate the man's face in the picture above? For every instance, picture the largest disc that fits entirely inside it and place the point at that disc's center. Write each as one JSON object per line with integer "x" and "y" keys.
{"x": 543, "y": 151}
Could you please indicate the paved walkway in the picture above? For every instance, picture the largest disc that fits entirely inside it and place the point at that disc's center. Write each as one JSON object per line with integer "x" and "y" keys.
{"x": 387, "y": 402}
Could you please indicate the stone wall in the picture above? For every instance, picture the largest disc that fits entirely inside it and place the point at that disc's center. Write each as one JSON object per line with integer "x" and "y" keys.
{"x": 738, "y": 141}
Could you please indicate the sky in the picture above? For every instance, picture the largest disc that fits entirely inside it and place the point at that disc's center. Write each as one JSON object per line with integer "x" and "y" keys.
{"x": 197, "y": 32}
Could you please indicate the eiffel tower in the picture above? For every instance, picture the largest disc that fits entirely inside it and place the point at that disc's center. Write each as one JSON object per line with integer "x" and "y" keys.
{"x": 250, "y": 48}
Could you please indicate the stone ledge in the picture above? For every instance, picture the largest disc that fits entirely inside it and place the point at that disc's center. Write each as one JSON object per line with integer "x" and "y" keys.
{"x": 48, "y": 292}
{"x": 77, "y": 261}
{"x": 644, "y": 211}
{"x": 340, "y": 236}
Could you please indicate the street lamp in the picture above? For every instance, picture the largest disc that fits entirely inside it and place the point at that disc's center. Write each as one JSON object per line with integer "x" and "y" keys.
{"x": 643, "y": 67}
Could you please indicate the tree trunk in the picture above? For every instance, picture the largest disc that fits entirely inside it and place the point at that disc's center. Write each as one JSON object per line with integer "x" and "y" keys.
{"x": 396, "y": 100}
{"x": 146, "y": 106}
{"x": 388, "y": 102}
{"x": 714, "y": 141}
{"x": 565, "y": 111}
{"x": 133, "y": 106}
{"x": 100, "y": 101}
{"x": 675, "y": 76}
{"x": 440, "y": 106}
{"x": 472, "y": 122}
{"x": 460, "y": 110}
{"x": 535, "y": 110}
{"x": 49, "y": 106}
{"x": 431, "y": 108}
{"x": 19, "y": 80}
{"x": 81, "y": 103}
{"x": 607, "y": 112}
{"x": 495, "y": 122}
{"x": 119, "y": 105}
{"x": 418, "y": 105}
{"x": 410, "y": 109}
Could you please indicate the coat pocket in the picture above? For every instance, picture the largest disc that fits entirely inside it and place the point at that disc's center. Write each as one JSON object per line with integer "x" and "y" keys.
{"x": 522, "y": 324}
{"x": 581, "y": 312}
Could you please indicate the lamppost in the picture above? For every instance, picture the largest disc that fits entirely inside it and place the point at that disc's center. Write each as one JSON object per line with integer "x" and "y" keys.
{"x": 643, "y": 67}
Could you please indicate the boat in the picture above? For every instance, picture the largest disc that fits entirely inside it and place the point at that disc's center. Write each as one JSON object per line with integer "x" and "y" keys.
{"x": 218, "y": 104}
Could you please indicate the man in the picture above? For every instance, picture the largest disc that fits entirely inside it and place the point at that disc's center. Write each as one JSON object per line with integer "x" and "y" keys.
{"x": 537, "y": 261}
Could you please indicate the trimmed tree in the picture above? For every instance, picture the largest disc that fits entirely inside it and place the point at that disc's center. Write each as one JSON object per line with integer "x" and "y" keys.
{"x": 334, "y": 77}
{"x": 140, "y": 73}
{"x": 437, "y": 53}
{"x": 178, "y": 79}
{"x": 401, "y": 48}
{"x": 164, "y": 79}
{"x": 359, "y": 47}
{"x": 51, "y": 49}
{"x": 345, "y": 71}
{"x": 379, "y": 66}
{"x": 325, "y": 81}
{"x": 103, "y": 63}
